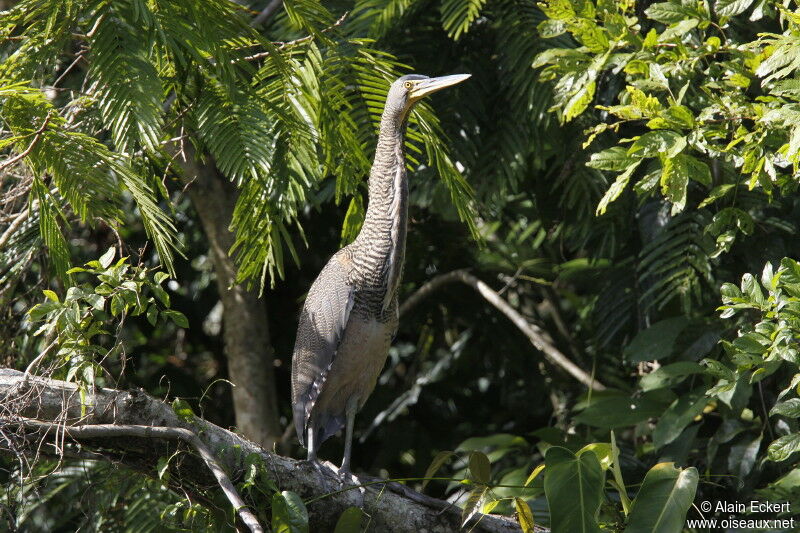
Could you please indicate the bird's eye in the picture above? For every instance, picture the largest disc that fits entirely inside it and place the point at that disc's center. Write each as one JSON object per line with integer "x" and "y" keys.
{"x": 408, "y": 85}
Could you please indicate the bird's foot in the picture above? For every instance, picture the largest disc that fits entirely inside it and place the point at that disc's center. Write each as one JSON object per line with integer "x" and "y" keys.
{"x": 347, "y": 479}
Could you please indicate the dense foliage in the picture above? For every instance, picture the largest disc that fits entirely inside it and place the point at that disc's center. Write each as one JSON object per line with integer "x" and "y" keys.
{"x": 624, "y": 174}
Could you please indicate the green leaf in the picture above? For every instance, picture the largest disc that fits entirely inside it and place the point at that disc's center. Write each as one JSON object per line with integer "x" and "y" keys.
{"x": 669, "y": 375}
{"x": 107, "y": 258}
{"x": 182, "y": 408}
{"x": 289, "y": 514}
{"x": 783, "y": 447}
{"x": 619, "y": 411}
{"x": 617, "y": 471}
{"x": 574, "y": 489}
{"x": 152, "y": 314}
{"x": 480, "y": 468}
{"x": 666, "y": 12}
{"x": 473, "y": 504}
{"x": 96, "y": 301}
{"x": 177, "y": 317}
{"x": 615, "y": 158}
{"x": 159, "y": 277}
{"x": 677, "y": 416}
{"x": 349, "y": 521}
{"x": 440, "y": 459}
{"x": 789, "y": 408}
{"x": 662, "y": 502}
{"x": 602, "y": 450}
{"x": 551, "y": 28}
{"x": 731, "y": 8}
{"x": 658, "y": 142}
{"x": 616, "y": 188}
{"x": 534, "y": 473}
{"x": 50, "y": 295}
{"x": 720, "y": 191}
{"x": 524, "y": 515}
{"x": 656, "y": 342}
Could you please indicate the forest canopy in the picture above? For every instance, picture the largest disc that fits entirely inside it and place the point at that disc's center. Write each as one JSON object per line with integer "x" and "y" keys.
{"x": 599, "y": 312}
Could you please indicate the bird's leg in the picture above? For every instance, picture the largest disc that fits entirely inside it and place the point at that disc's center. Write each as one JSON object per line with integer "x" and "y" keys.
{"x": 312, "y": 442}
{"x": 350, "y": 413}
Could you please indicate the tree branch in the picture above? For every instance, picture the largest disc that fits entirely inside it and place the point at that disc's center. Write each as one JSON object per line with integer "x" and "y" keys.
{"x": 391, "y": 506}
{"x": 533, "y": 332}
{"x": 271, "y": 7}
{"x": 154, "y": 432}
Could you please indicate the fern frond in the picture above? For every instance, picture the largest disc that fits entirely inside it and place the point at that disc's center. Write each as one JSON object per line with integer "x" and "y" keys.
{"x": 458, "y": 15}
{"x": 124, "y": 80}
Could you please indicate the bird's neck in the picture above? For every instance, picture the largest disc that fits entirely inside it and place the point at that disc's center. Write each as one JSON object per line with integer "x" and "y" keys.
{"x": 383, "y": 235}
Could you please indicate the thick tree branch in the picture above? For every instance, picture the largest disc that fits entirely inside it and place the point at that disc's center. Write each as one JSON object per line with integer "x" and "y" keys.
{"x": 152, "y": 432}
{"x": 392, "y": 507}
{"x": 534, "y": 334}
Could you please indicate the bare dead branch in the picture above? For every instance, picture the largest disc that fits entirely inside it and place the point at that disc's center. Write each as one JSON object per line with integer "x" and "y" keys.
{"x": 159, "y": 432}
{"x": 533, "y": 332}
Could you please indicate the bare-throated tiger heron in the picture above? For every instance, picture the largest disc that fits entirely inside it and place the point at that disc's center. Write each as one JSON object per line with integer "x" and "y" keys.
{"x": 351, "y": 314}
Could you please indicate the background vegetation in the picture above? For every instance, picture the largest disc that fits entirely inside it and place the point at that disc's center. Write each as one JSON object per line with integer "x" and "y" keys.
{"x": 623, "y": 174}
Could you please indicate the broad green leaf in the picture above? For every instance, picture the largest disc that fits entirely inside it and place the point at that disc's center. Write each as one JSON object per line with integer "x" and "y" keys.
{"x": 289, "y": 513}
{"x": 742, "y": 456}
{"x": 602, "y": 450}
{"x": 440, "y": 459}
{"x": 574, "y": 489}
{"x": 524, "y": 515}
{"x": 662, "y": 502}
{"x": 615, "y": 158}
{"x": 616, "y": 188}
{"x": 669, "y": 375}
{"x": 731, "y": 8}
{"x": 50, "y": 295}
{"x": 716, "y": 193}
{"x": 480, "y": 467}
{"x": 619, "y": 411}
{"x": 617, "y": 471}
{"x": 349, "y": 521}
{"x": 536, "y": 471}
{"x": 783, "y": 447}
{"x": 667, "y": 12}
{"x": 177, "y": 317}
{"x": 107, "y": 258}
{"x": 580, "y": 101}
{"x": 674, "y": 180}
{"x": 474, "y": 504}
{"x": 659, "y": 142}
{"x": 789, "y": 408}
{"x": 677, "y": 416}
{"x": 656, "y": 342}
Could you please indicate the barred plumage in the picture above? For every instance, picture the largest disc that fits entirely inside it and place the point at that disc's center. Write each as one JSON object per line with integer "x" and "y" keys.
{"x": 351, "y": 312}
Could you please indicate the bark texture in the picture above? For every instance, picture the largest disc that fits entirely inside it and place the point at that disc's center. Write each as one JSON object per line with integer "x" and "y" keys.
{"x": 245, "y": 331}
{"x": 392, "y": 507}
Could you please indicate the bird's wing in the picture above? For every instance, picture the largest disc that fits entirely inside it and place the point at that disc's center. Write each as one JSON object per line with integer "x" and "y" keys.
{"x": 319, "y": 333}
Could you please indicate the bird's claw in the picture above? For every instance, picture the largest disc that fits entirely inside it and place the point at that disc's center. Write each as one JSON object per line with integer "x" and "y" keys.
{"x": 348, "y": 479}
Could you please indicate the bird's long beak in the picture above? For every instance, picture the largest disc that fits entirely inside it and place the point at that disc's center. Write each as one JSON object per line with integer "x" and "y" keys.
{"x": 431, "y": 85}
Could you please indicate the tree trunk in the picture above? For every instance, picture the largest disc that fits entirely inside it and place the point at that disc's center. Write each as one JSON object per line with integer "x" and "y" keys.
{"x": 245, "y": 331}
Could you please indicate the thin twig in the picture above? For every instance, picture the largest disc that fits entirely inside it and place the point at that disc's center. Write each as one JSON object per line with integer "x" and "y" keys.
{"x": 15, "y": 224}
{"x": 159, "y": 432}
{"x": 287, "y": 44}
{"x": 267, "y": 12}
{"x": 37, "y": 360}
{"x": 533, "y": 332}
{"x": 22, "y": 155}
